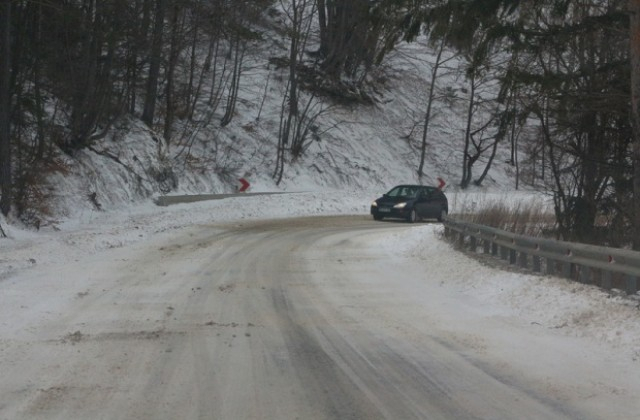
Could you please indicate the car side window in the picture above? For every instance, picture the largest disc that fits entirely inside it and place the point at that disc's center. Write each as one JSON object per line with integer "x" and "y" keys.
{"x": 394, "y": 192}
{"x": 409, "y": 192}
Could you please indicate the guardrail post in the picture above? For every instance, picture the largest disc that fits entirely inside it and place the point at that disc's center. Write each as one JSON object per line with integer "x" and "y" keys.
{"x": 551, "y": 266}
{"x": 504, "y": 252}
{"x": 486, "y": 246}
{"x": 584, "y": 274}
{"x": 536, "y": 263}
{"x": 494, "y": 249}
{"x": 523, "y": 260}
{"x": 461, "y": 239}
{"x": 566, "y": 269}
{"x": 473, "y": 243}
{"x": 606, "y": 279}
{"x": 512, "y": 256}
{"x": 632, "y": 285}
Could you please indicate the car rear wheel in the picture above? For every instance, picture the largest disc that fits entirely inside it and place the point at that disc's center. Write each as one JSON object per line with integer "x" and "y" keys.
{"x": 443, "y": 214}
{"x": 413, "y": 216}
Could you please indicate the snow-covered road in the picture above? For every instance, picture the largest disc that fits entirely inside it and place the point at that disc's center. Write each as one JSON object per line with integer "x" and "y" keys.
{"x": 311, "y": 318}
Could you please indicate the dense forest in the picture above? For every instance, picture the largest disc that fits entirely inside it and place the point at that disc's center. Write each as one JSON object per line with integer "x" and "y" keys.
{"x": 557, "y": 83}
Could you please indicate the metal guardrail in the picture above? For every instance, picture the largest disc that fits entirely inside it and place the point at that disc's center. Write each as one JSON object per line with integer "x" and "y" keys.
{"x": 608, "y": 268}
{"x": 168, "y": 200}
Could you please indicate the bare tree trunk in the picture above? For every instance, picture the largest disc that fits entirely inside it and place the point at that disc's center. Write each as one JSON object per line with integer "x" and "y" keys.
{"x": 289, "y": 107}
{"x": 85, "y": 105}
{"x": 514, "y": 139}
{"x": 560, "y": 198}
{"x": 264, "y": 96}
{"x": 322, "y": 23}
{"x": 154, "y": 65}
{"x": 37, "y": 81}
{"x": 466, "y": 157}
{"x": 217, "y": 77}
{"x": 171, "y": 66}
{"x": 634, "y": 38}
{"x": 430, "y": 99}
{"x": 207, "y": 65}
{"x": 232, "y": 98}
{"x": 284, "y": 127}
{"x": 487, "y": 167}
{"x": 6, "y": 184}
{"x": 138, "y": 46}
{"x": 192, "y": 68}
{"x": 291, "y": 134}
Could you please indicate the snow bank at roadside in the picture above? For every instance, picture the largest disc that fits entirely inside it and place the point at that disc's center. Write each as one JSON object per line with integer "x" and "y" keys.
{"x": 570, "y": 308}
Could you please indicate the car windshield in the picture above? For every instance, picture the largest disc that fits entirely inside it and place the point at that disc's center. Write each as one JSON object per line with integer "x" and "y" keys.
{"x": 403, "y": 191}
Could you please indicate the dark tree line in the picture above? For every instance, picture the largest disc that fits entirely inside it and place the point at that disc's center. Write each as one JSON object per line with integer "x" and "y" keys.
{"x": 355, "y": 35}
{"x": 570, "y": 69}
{"x": 5, "y": 107}
{"x": 71, "y": 69}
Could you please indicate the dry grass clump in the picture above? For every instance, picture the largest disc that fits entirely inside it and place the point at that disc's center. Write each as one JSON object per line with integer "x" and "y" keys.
{"x": 524, "y": 216}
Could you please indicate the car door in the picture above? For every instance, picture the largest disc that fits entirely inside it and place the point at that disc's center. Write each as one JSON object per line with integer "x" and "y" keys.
{"x": 421, "y": 203}
{"x": 431, "y": 205}
{"x": 440, "y": 203}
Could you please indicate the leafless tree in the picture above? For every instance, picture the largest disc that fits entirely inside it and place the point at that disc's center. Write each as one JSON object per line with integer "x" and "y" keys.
{"x": 634, "y": 43}
{"x": 292, "y": 119}
{"x": 6, "y": 182}
{"x": 431, "y": 98}
{"x": 155, "y": 59}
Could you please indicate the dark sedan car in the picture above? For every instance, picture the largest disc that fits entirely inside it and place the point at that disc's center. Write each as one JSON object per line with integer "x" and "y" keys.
{"x": 412, "y": 203}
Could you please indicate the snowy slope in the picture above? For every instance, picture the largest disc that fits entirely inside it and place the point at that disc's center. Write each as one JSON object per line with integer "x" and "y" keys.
{"x": 368, "y": 147}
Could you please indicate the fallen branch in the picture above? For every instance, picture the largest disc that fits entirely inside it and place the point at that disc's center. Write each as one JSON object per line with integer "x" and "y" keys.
{"x": 2, "y": 233}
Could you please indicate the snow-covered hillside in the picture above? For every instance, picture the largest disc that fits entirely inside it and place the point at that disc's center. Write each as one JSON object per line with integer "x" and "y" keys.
{"x": 368, "y": 147}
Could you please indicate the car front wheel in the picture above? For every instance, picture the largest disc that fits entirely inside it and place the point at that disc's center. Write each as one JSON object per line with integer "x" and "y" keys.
{"x": 412, "y": 216}
{"x": 377, "y": 217}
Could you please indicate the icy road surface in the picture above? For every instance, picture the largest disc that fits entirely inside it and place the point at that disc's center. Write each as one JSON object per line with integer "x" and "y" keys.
{"x": 310, "y": 318}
